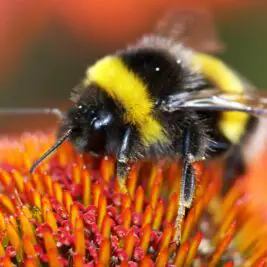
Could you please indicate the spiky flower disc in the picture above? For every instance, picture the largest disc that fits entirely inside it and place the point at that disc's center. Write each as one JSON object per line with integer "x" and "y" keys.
{"x": 69, "y": 212}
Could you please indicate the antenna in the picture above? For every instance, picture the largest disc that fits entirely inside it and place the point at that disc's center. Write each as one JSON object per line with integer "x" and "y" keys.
{"x": 51, "y": 150}
{"x": 31, "y": 111}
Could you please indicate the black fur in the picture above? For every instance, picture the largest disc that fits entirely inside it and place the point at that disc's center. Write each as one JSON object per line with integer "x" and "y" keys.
{"x": 161, "y": 72}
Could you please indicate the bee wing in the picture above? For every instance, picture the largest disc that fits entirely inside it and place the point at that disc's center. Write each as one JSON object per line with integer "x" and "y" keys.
{"x": 215, "y": 100}
{"x": 191, "y": 27}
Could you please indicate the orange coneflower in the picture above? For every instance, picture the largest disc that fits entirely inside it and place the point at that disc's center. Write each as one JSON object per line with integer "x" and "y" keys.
{"x": 70, "y": 213}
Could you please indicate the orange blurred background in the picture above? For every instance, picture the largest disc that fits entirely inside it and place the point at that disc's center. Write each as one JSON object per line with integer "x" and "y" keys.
{"x": 46, "y": 45}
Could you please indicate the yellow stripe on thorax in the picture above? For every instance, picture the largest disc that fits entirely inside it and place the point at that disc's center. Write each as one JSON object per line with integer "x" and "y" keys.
{"x": 232, "y": 124}
{"x": 123, "y": 86}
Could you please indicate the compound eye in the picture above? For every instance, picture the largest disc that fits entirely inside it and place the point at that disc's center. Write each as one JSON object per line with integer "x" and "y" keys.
{"x": 102, "y": 121}
{"x": 83, "y": 109}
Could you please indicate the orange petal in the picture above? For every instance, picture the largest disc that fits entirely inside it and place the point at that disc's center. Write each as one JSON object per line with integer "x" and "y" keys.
{"x": 139, "y": 199}
{"x": 86, "y": 187}
{"x": 79, "y": 238}
{"x": 104, "y": 254}
{"x": 102, "y": 210}
{"x": 145, "y": 239}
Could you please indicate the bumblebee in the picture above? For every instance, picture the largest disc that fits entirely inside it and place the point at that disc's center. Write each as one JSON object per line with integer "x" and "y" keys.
{"x": 164, "y": 97}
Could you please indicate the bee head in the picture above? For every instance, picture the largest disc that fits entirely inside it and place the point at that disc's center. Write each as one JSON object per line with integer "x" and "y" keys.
{"x": 89, "y": 127}
{"x": 94, "y": 119}
{"x": 92, "y": 125}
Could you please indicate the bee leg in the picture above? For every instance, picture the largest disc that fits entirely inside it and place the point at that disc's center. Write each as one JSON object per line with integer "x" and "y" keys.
{"x": 235, "y": 166}
{"x": 122, "y": 168}
{"x": 187, "y": 190}
{"x": 122, "y": 173}
{"x": 190, "y": 150}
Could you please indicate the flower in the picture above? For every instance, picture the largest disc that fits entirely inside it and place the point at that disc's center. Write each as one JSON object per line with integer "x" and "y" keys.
{"x": 70, "y": 212}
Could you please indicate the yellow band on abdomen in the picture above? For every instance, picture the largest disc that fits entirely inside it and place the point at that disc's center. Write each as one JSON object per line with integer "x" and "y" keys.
{"x": 232, "y": 124}
{"x": 123, "y": 86}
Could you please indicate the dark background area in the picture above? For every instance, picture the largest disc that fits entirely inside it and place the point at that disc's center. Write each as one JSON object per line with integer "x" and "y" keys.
{"x": 45, "y": 56}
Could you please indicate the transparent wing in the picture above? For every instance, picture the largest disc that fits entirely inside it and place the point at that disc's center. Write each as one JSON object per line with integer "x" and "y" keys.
{"x": 215, "y": 100}
{"x": 192, "y": 27}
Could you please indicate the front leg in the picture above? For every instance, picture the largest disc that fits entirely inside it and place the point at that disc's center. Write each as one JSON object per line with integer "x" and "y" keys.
{"x": 192, "y": 149}
{"x": 187, "y": 190}
{"x": 122, "y": 168}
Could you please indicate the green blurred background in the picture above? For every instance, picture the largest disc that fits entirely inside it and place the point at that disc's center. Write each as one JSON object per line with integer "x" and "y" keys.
{"x": 41, "y": 70}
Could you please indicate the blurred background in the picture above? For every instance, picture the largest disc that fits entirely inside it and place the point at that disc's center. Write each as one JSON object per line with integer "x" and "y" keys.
{"x": 46, "y": 45}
